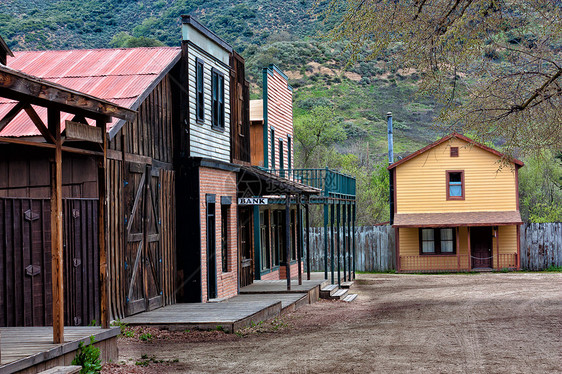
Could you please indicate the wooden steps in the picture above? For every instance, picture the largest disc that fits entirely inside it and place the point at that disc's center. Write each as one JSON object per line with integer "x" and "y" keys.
{"x": 333, "y": 292}
{"x": 63, "y": 370}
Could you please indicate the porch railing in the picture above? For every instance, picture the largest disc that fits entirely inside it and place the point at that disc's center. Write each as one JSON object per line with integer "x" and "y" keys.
{"x": 506, "y": 261}
{"x": 434, "y": 263}
{"x": 332, "y": 183}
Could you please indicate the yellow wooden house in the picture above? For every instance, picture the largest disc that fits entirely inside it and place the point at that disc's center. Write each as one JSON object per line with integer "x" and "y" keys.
{"x": 456, "y": 208}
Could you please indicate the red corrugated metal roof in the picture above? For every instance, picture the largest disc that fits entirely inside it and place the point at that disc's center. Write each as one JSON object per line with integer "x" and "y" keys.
{"x": 116, "y": 75}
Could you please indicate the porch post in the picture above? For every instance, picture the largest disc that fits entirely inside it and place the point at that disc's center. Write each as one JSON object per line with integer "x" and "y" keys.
{"x": 354, "y": 233}
{"x": 332, "y": 239}
{"x": 498, "y": 247}
{"x": 349, "y": 241}
{"x": 102, "y": 229}
{"x": 518, "y": 262}
{"x": 299, "y": 237}
{"x": 257, "y": 242}
{"x": 339, "y": 242}
{"x": 288, "y": 240}
{"x": 308, "y": 241}
{"x": 469, "y": 249}
{"x": 457, "y": 230}
{"x": 325, "y": 241}
{"x": 53, "y": 118}
{"x": 344, "y": 208}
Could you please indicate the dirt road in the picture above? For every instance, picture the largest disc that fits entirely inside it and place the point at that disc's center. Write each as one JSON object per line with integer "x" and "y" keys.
{"x": 475, "y": 323}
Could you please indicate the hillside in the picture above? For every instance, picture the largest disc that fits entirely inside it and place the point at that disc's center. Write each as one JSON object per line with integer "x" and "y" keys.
{"x": 286, "y": 33}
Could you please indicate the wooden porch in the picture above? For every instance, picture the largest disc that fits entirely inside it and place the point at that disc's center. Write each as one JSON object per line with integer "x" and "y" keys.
{"x": 31, "y": 349}
{"x": 258, "y": 302}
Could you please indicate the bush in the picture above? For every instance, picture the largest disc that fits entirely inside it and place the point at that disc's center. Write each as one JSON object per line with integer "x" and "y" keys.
{"x": 88, "y": 357}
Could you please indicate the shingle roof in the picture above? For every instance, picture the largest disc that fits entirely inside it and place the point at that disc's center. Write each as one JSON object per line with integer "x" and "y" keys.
{"x": 120, "y": 76}
{"x": 444, "y": 139}
{"x": 457, "y": 219}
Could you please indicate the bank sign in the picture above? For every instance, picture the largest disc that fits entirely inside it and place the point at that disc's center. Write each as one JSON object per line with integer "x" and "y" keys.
{"x": 252, "y": 201}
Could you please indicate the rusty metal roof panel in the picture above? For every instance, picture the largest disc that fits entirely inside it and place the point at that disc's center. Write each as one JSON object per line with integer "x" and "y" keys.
{"x": 117, "y": 75}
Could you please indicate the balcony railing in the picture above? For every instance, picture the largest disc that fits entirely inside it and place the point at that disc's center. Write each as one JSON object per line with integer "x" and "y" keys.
{"x": 331, "y": 182}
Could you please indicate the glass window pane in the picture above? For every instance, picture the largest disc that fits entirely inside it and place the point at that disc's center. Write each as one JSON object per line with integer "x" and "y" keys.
{"x": 427, "y": 234}
{"x": 428, "y": 247}
{"x": 446, "y": 234}
{"x": 455, "y": 177}
{"x": 455, "y": 190}
{"x": 447, "y": 246}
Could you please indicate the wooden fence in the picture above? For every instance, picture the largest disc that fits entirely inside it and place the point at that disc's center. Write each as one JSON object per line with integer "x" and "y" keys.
{"x": 541, "y": 247}
{"x": 374, "y": 249}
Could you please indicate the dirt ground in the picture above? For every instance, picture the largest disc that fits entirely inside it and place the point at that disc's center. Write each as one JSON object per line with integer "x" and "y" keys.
{"x": 464, "y": 323}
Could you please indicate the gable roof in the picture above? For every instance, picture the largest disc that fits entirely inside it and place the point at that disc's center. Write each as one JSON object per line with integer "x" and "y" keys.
{"x": 448, "y": 137}
{"x": 122, "y": 76}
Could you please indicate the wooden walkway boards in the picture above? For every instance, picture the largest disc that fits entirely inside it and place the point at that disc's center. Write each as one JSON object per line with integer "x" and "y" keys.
{"x": 258, "y": 302}
{"x": 24, "y": 347}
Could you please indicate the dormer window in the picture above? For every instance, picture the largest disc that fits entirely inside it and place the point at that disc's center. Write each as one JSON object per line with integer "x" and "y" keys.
{"x": 455, "y": 185}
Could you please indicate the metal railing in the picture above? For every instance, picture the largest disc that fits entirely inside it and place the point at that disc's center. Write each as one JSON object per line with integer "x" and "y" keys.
{"x": 332, "y": 183}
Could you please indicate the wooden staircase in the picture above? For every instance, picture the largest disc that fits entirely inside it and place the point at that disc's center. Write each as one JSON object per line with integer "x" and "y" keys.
{"x": 333, "y": 292}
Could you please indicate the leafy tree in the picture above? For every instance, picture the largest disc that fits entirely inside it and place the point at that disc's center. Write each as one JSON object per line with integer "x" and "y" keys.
{"x": 125, "y": 40}
{"x": 495, "y": 64}
{"x": 540, "y": 188}
{"x": 314, "y": 132}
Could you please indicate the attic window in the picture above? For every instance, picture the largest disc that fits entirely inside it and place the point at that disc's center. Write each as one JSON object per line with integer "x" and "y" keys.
{"x": 454, "y": 151}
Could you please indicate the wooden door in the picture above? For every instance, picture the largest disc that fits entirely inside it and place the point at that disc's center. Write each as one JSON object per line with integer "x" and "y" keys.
{"x": 481, "y": 247}
{"x": 245, "y": 245}
{"x": 143, "y": 272}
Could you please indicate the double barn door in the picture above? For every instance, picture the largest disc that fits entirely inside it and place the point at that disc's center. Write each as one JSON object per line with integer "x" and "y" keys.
{"x": 143, "y": 259}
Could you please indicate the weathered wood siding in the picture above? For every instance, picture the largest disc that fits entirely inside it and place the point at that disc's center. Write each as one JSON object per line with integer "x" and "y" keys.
{"x": 541, "y": 245}
{"x": 487, "y": 187}
{"x": 27, "y": 174}
{"x": 150, "y": 134}
{"x": 205, "y": 141}
{"x": 142, "y": 147}
{"x": 240, "y": 111}
{"x": 279, "y": 100}
{"x": 25, "y": 262}
{"x": 374, "y": 249}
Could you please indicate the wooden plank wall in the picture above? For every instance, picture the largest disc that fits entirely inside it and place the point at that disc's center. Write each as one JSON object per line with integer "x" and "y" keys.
{"x": 374, "y": 248}
{"x": 541, "y": 245}
{"x": 25, "y": 262}
{"x": 148, "y": 140}
{"x": 168, "y": 234}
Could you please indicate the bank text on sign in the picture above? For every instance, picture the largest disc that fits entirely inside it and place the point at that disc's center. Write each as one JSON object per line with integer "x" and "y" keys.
{"x": 252, "y": 201}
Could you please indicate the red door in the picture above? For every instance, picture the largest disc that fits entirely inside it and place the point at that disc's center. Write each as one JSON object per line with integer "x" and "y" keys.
{"x": 481, "y": 247}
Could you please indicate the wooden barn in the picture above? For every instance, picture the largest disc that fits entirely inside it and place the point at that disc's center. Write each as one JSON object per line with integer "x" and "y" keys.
{"x": 45, "y": 206}
{"x": 139, "y": 183}
{"x": 462, "y": 212}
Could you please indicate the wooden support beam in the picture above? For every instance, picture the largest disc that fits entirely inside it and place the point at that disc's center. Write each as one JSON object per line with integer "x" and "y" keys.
{"x": 326, "y": 243}
{"x": 308, "y": 241}
{"x": 48, "y": 134}
{"x": 288, "y": 240}
{"x": 354, "y": 234}
{"x": 518, "y": 262}
{"x": 469, "y": 249}
{"x": 11, "y": 114}
{"x": 299, "y": 238}
{"x": 339, "y": 242}
{"x": 57, "y": 265}
{"x": 458, "y": 242}
{"x": 343, "y": 229}
{"x": 102, "y": 229}
{"x": 497, "y": 230}
{"x": 21, "y": 141}
{"x": 332, "y": 240}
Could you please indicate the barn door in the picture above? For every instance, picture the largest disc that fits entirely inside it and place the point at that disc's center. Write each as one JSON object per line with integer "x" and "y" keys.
{"x": 142, "y": 223}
